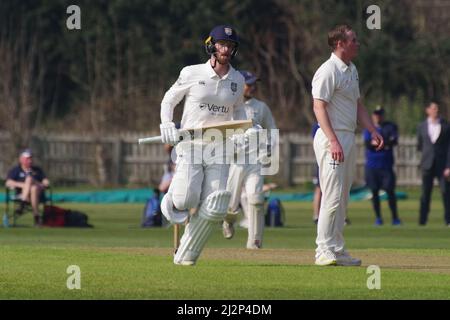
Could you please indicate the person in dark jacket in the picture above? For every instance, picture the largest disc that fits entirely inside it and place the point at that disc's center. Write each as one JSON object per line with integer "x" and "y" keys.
{"x": 379, "y": 169}
{"x": 433, "y": 136}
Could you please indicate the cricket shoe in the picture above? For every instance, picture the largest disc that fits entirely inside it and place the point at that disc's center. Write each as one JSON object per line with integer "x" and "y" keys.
{"x": 254, "y": 245}
{"x": 228, "y": 230}
{"x": 184, "y": 263}
{"x": 326, "y": 258}
{"x": 343, "y": 258}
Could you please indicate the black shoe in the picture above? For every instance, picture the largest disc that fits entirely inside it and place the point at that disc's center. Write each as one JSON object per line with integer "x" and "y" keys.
{"x": 19, "y": 211}
{"x": 37, "y": 221}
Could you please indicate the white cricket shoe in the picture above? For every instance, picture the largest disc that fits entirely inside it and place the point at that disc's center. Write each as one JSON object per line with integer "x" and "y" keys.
{"x": 326, "y": 258}
{"x": 184, "y": 263}
{"x": 254, "y": 245}
{"x": 345, "y": 259}
{"x": 228, "y": 230}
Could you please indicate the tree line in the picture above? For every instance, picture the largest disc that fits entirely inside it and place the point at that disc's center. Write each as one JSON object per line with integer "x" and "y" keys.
{"x": 111, "y": 75}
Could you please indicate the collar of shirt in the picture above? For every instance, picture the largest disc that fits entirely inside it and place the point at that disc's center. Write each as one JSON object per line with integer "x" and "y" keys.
{"x": 341, "y": 64}
{"x": 435, "y": 122}
{"x": 212, "y": 74}
{"x": 434, "y": 129}
{"x": 249, "y": 101}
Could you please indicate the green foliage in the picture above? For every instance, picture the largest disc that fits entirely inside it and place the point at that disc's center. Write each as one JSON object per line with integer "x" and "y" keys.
{"x": 128, "y": 53}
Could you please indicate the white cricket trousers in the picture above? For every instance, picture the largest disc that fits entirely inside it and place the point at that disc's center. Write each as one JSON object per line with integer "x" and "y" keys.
{"x": 335, "y": 182}
{"x": 195, "y": 178}
{"x": 247, "y": 177}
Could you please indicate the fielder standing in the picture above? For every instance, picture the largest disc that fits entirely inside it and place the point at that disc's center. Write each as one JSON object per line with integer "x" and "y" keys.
{"x": 248, "y": 175}
{"x": 379, "y": 170}
{"x": 337, "y": 106}
{"x": 211, "y": 92}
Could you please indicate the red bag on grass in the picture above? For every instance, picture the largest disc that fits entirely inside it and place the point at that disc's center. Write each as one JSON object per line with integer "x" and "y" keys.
{"x": 58, "y": 217}
{"x": 54, "y": 216}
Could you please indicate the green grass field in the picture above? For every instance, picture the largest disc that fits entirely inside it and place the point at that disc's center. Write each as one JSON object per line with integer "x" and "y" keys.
{"x": 119, "y": 260}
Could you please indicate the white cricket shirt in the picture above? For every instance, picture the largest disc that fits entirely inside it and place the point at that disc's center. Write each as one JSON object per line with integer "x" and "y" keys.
{"x": 208, "y": 98}
{"x": 256, "y": 110}
{"x": 338, "y": 84}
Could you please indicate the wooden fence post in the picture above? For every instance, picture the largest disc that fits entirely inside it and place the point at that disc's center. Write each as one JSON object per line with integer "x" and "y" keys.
{"x": 286, "y": 159}
{"x": 117, "y": 162}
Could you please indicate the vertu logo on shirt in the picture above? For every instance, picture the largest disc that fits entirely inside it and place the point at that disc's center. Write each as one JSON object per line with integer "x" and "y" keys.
{"x": 214, "y": 108}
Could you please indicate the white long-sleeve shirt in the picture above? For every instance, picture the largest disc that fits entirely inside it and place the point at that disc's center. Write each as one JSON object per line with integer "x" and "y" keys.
{"x": 208, "y": 98}
{"x": 256, "y": 110}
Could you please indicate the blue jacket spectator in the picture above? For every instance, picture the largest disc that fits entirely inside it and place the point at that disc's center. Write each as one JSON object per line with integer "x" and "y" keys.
{"x": 379, "y": 165}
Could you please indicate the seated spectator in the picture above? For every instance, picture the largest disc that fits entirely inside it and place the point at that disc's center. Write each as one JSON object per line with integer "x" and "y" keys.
{"x": 29, "y": 183}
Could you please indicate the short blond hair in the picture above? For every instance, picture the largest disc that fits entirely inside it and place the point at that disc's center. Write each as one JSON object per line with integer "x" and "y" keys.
{"x": 339, "y": 32}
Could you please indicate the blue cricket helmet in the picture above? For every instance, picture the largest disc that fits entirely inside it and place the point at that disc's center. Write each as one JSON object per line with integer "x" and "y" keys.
{"x": 249, "y": 77}
{"x": 222, "y": 32}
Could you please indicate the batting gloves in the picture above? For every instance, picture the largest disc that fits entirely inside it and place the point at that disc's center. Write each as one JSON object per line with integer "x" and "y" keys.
{"x": 169, "y": 134}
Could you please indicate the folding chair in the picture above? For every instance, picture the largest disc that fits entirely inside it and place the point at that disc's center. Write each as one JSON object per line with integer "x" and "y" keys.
{"x": 16, "y": 207}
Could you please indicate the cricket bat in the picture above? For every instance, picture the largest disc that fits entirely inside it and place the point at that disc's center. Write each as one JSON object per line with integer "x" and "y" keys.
{"x": 221, "y": 126}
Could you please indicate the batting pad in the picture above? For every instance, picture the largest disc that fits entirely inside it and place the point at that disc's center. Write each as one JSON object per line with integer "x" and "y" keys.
{"x": 172, "y": 215}
{"x": 255, "y": 209}
{"x": 199, "y": 228}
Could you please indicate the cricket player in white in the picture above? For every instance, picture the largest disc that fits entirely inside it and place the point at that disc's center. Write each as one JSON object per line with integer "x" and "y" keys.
{"x": 337, "y": 106}
{"x": 211, "y": 92}
{"x": 248, "y": 176}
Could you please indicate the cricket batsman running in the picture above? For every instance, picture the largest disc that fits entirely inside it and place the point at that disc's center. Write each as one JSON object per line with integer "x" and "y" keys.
{"x": 211, "y": 92}
{"x": 248, "y": 176}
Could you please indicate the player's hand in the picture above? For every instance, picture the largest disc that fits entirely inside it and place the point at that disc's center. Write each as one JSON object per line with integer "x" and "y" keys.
{"x": 238, "y": 139}
{"x": 447, "y": 173}
{"x": 378, "y": 140}
{"x": 252, "y": 133}
{"x": 169, "y": 134}
{"x": 337, "y": 153}
{"x": 242, "y": 139}
{"x": 264, "y": 159}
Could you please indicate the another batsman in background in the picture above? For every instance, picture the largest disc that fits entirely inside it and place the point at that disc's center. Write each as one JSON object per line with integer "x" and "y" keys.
{"x": 248, "y": 176}
{"x": 337, "y": 106}
{"x": 211, "y": 92}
